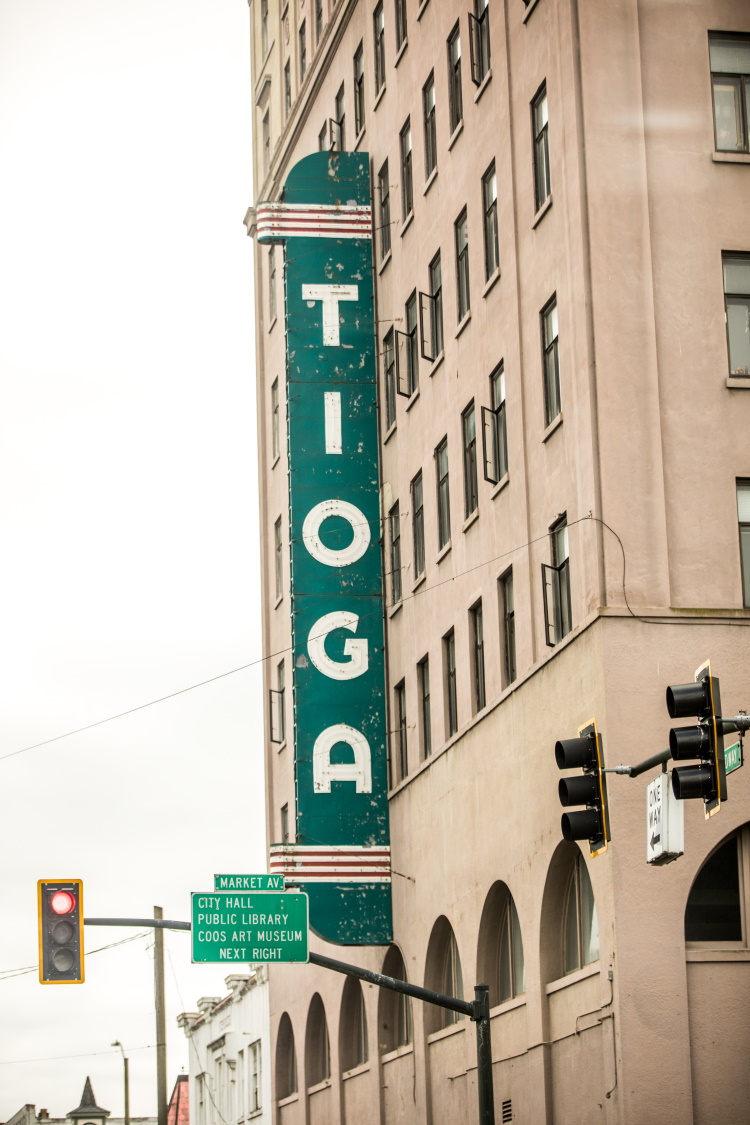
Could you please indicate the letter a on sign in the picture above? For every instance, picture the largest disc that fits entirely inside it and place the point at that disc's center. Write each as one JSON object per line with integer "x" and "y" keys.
{"x": 340, "y": 851}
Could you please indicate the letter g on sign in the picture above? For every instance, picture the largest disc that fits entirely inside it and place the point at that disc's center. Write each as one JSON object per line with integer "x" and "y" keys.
{"x": 327, "y": 555}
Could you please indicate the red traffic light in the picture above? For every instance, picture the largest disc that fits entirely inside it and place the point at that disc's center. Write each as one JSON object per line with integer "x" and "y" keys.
{"x": 62, "y": 902}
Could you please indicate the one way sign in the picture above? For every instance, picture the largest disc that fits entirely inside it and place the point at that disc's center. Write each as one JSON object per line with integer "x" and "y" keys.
{"x": 665, "y": 825}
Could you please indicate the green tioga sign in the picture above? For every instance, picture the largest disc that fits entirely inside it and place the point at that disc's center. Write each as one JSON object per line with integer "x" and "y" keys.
{"x": 341, "y": 852}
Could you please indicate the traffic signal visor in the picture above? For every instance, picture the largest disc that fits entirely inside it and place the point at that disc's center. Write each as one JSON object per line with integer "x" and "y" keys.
{"x": 60, "y": 916}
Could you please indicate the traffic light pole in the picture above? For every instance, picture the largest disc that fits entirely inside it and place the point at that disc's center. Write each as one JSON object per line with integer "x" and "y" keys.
{"x": 477, "y": 1010}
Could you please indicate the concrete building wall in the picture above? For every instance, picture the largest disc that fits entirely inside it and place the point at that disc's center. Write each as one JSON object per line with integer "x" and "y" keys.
{"x": 643, "y": 461}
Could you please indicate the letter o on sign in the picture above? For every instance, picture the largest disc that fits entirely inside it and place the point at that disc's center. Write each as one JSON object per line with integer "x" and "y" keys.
{"x": 360, "y": 533}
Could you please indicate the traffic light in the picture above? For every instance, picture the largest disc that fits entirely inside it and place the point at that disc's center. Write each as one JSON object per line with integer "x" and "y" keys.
{"x": 60, "y": 931}
{"x": 591, "y": 823}
{"x": 705, "y": 741}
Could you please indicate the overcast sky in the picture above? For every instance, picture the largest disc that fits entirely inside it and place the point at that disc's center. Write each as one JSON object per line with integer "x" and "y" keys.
{"x": 129, "y": 538}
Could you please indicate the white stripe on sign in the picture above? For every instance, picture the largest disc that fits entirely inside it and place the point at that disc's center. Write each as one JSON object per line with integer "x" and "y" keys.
{"x": 342, "y": 864}
{"x": 282, "y": 220}
{"x": 333, "y": 421}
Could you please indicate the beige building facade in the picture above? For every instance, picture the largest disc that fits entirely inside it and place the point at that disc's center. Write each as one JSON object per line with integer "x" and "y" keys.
{"x": 561, "y": 242}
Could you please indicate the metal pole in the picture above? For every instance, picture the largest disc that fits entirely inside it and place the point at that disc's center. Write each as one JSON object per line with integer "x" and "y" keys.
{"x": 161, "y": 1021}
{"x": 484, "y": 1055}
{"x": 127, "y": 1092}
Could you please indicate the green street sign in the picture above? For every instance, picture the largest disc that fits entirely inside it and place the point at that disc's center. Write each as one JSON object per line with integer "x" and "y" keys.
{"x": 248, "y": 882}
{"x": 260, "y": 926}
{"x": 732, "y": 757}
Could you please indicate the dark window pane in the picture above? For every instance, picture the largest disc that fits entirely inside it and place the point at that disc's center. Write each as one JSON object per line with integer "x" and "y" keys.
{"x": 713, "y": 908}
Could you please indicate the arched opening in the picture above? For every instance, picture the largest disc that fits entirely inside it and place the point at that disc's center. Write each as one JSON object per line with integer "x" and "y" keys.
{"x": 714, "y": 907}
{"x": 286, "y": 1059}
{"x": 500, "y": 958}
{"x": 443, "y": 974}
{"x": 317, "y": 1045}
{"x": 394, "y": 1008}
{"x": 581, "y": 933}
{"x": 353, "y": 1040}
{"x": 569, "y": 932}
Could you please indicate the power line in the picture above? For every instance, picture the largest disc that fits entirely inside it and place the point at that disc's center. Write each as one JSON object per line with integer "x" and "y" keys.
{"x": 85, "y": 1055}
{"x": 9, "y": 974}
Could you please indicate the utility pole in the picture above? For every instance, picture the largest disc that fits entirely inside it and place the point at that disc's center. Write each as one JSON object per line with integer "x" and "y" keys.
{"x": 161, "y": 1021}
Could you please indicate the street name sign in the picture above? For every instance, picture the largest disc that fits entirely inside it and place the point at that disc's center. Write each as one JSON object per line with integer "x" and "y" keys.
{"x": 248, "y": 882}
{"x": 250, "y": 927}
{"x": 665, "y": 822}
{"x": 732, "y": 757}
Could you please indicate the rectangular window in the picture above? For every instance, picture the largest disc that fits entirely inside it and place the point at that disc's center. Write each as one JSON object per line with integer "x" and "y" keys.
{"x": 417, "y": 524}
{"x": 541, "y": 147}
{"x": 394, "y": 521}
{"x": 275, "y": 436}
{"x": 302, "y": 34}
{"x": 266, "y": 142}
{"x": 407, "y": 351}
{"x": 551, "y": 362}
{"x": 469, "y": 434}
{"x": 323, "y": 138}
{"x": 285, "y": 824}
{"x": 423, "y": 680}
{"x": 463, "y": 295}
{"x": 389, "y": 377}
{"x": 407, "y": 189}
{"x": 287, "y": 88}
{"x": 507, "y": 612}
{"x": 280, "y": 689}
{"x": 436, "y": 292}
{"x": 378, "y": 23}
{"x": 451, "y": 698}
{"x": 430, "y": 131}
{"x": 455, "y": 101}
{"x": 384, "y": 218}
{"x": 359, "y": 90}
{"x": 264, "y": 27}
{"x": 443, "y": 494}
{"x": 494, "y": 430}
{"x": 489, "y": 209}
{"x": 479, "y": 41}
{"x": 254, "y": 1083}
{"x": 338, "y": 142}
{"x": 400, "y": 23}
{"x": 400, "y": 764}
{"x": 730, "y": 80}
{"x": 743, "y": 516}
{"x": 318, "y": 20}
{"x": 277, "y": 547}
{"x": 272, "y": 285}
{"x": 276, "y": 707}
{"x": 737, "y": 308}
{"x": 477, "y": 654}
{"x": 556, "y": 584}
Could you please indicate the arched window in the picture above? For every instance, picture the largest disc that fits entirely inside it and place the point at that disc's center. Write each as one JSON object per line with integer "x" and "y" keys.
{"x": 581, "y": 937}
{"x": 317, "y": 1047}
{"x": 394, "y": 1008}
{"x": 286, "y": 1060}
{"x": 714, "y": 907}
{"x": 443, "y": 973}
{"x": 353, "y": 1044}
{"x": 500, "y": 960}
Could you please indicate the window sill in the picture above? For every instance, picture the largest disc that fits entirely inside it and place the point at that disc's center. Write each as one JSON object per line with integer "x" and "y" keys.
{"x": 421, "y": 8}
{"x": 554, "y": 425}
{"x": 390, "y": 432}
{"x": 508, "y": 1005}
{"x": 385, "y": 262}
{"x": 484, "y": 84}
{"x": 413, "y": 398}
{"x": 443, "y": 552}
{"x": 270, "y": 326}
{"x": 379, "y": 96}
{"x": 734, "y": 953}
{"x": 419, "y": 582}
{"x": 356, "y": 1070}
{"x": 276, "y": 460}
{"x": 281, "y": 746}
{"x": 255, "y": 1113}
{"x": 501, "y": 484}
{"x": 407, "y": 223}
{"x": 491, "y": 281}
{"x": 394, "y": 609}
{"x": 587, "y": 971}
{"x": 730, "y": 157}
{"x": 287, "y": 1101}
{"x": 446, "y": 1032}
{"x": 529, "y": 9}
{"x": 456, "y": 134}
{"x": 462, "y": 324}
{"x": 470, "y": 520}
{"x": 278, "y": 601}
{"x": 738, "y": 382}
{"x": 316, "y": 1089}
{"x": 360, "y": 138}
{"x": 400, "y": 53}
{"x": 430, "y": 180}
{"x": 542, "y": 212}
{"x": 389, "y": 1056}
{"x": 436, "y": 363}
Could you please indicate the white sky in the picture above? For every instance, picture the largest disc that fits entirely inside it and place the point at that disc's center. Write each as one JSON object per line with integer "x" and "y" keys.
{"x": 128, "y": 521}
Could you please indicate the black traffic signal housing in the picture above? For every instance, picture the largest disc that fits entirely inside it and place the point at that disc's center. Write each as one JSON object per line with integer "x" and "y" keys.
{"x": 708, "y": 780}
{"x": 591, "y": 823}
{"x": 60, "y": 904}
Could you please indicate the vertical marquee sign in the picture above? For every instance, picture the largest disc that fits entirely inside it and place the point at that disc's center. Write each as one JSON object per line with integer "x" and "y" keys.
{"x": 341, "y": 852}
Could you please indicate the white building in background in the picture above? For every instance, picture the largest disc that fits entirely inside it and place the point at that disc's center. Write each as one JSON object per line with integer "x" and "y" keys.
{"x": 230, "y": 1081}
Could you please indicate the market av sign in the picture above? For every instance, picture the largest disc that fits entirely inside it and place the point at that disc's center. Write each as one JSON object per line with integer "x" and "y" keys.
{"x": 341, "y": 853}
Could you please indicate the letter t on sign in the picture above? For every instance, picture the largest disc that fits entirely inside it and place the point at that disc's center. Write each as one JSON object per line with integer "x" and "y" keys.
{"x": 330, "y": 295}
